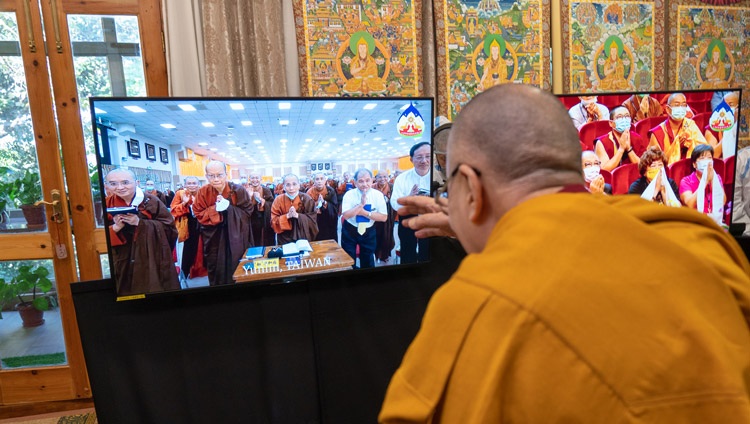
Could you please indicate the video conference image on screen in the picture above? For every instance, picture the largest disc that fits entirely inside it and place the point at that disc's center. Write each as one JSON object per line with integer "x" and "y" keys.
{"x": 206, "y": 192}
{"x": 676, "y": 148}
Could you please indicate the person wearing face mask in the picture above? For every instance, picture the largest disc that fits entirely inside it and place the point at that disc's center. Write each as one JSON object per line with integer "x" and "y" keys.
{"x": 592, "y": 177}
{"x": 151, "y": 189}
{"x": 678, "y": 135}
{"x": 654, "y": 185}
{"x": 703, "y": 189}
{"x": 725, "y": 142}
{"x": 293, "y": 214}
{"x": 588, "y": 111}
{"x": 621, "y": 145}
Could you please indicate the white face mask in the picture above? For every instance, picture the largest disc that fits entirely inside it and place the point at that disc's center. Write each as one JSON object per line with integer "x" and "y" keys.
{"x": 679, "y": 112}
{"x": 590, "y": 173}
{"x": 702, "y": 164}
{"x": 588, "y": 102}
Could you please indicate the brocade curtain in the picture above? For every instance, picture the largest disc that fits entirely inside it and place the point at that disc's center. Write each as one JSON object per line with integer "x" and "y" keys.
{"x": 429, "y": 73}
{"x": 244, "y": 48}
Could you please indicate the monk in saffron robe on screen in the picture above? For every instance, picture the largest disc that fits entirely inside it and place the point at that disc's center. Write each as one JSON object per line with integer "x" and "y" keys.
{"x": 293, "y": 215}
{"x": 191, "y": 260}
{"x": 141, "y": 242}
{"x": 678, "y": 135}
{"x": 326, "y": 208}
{"x": 384, "y": 229}
{"x": 223, "y": 208}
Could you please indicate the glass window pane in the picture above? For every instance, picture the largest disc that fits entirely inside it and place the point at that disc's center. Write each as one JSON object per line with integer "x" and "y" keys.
{"x": 20, "y": 184}
{"x": 127, "y": 29}
{"x": 134, "y": 77}
{"x": 85, "y": 28}
{"x": 33, "y": 340}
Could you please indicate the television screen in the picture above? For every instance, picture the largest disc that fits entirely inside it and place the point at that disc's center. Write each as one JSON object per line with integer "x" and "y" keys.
{"x": 204, "y": 192}
{"x": 673, "y": 147}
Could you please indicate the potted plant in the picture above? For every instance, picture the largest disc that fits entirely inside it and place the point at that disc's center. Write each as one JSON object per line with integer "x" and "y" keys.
{"x": 28, "y": 190}
{"x": 29, "y": 286}
{"x": 7, "y": 190}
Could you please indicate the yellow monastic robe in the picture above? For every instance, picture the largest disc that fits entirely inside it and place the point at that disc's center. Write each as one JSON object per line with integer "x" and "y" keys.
{"x": 540, "y": 328}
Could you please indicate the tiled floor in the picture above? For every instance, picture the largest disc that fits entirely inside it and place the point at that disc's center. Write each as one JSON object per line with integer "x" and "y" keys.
{"x": 15, "y": 340}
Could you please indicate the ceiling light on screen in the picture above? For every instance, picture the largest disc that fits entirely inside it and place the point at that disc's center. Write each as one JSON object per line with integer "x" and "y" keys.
{"x": 236, "y": 106}
{"x": 246, "y": 123}
{"x": 257, "y": 141}
{"x": 320, "y": 121}
{"x": 284, "y": 105}
{"x": 377, "y": 138}
{"x": 168, "y": 126}
{"x": 283, "y": 140}
{"x": 203, "y": 143}
{"x": 214, "y": 149}
{"x": 230, "y": 142}
{"x": 135, "y": 109}
{"x": 370, "y": 106}
{"x": 283, "y": 122}
{"x": 207, "y": 124}
{"x": 383, "y": 122}
{"x": 329, "y": 105}
{"x": 331, "y": 139}
{"x": 99, "y": 111}
{"x": 187, "y": 108}
{"x": 307, "y": 140}
{"x": 351, "y": 121}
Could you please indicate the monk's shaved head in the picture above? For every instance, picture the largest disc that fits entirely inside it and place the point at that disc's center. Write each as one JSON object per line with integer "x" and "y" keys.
{"x": 517, "y": 134}
{"x": 118, "y": 171}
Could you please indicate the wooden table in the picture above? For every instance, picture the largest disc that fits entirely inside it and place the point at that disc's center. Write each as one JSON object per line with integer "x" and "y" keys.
{"x": 327, "y": 256}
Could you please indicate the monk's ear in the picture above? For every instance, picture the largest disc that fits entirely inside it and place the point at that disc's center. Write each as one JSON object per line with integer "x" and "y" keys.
{"x": 476, "y": 195}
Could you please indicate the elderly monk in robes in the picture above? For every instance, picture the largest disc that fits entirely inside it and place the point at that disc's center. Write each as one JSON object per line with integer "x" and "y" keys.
{"x": 384, "y": 229}
{"x": 191, "y": 260}
{"x": 326, "y": 207}
{"x": 260, "y": 220}
{"x": 535, "y": 326}
{"x": 223, "y": 209}
{"x": 293, "y": 215}
{"x": 141, "y": 242}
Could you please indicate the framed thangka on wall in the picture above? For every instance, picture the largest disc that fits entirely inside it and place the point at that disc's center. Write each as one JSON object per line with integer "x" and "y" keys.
{"x": 358, "y": 47}
{"x": 712, "y": 51}
{"x": 611, "y": 46}
{"x": 482, "y": 43}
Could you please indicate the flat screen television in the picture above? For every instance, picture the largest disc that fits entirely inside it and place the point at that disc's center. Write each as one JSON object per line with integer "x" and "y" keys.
{"x": 148, "y": 148}
{"x": 656, "y": 140}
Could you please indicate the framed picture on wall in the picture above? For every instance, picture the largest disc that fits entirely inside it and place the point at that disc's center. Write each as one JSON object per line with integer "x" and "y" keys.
{"x": 134, "y": 148}
{"x": 164, "y": 155}
{"x": 328, "y": 166}
{"x": 150, "y": 152}
{"x": 313, "y": 167}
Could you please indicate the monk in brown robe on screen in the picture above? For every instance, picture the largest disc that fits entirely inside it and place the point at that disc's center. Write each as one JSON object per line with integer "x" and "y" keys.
{"x": 293, "y": 215}
{"x": 223, "y": 209}
{"x": 326, "y": 207}
{"x": 141, "y": 242}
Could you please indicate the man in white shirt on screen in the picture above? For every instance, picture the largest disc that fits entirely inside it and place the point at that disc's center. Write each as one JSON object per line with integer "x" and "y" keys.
{"x": 415, "y": 181}
{"x": 588, "y": 111}
{"x": 361, "y": 208}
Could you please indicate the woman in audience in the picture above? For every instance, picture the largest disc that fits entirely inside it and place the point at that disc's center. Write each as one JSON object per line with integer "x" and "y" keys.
{"x": 703, "y": 189}
{"x": 654, "y": 185}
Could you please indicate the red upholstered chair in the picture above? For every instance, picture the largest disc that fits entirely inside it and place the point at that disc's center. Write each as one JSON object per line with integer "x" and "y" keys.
{"x": 623, "y": 176}
{"x": 645, "y": 125}
{"x": 609, "y": 100}
{"x": 701, "y": 119}
{"x": 590, "y": 131}
{"x": 607, "y": 176}
{"x": 570, "y": 101}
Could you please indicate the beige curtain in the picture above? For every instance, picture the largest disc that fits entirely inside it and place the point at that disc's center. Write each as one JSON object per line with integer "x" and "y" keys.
{"x": 184, "y": 44}
{"x": 429, "y": 73}
{"x": 244, "y": 48}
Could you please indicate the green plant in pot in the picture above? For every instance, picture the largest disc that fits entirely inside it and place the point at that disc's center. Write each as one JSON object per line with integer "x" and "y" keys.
{"x": 29, "y": 286}
{"x": 7, "y": 194}
{"x": 28, "y": 190}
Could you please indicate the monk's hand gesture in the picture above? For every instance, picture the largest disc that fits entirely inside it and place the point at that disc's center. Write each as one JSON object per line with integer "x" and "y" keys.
{"x": 644, "y": 105}
{"x": 597, "y": 185}
{"x": 684, "y": 139}
{"x": 119, "y": 223}
{"x": 414, "y": 190}
{"x": 593, "y": 111}
{"x": 363, "y": 202}
{"x": 292, "y": 213}
{"x": 131, "y": 218}
{"x": 219, "y": 198}
{"x": 658, "y": 185}
{"x": 625, "y": 140}
{"x": 710, "y": 171}
{"x": 185, "y": 198}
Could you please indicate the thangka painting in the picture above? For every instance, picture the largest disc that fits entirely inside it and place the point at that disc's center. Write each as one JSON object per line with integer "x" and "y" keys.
{"x": 358, "y": 47}
{"x": 482, "y": 43}
{"x": 712, "y": 51}
{"x": 613, "y": 46}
